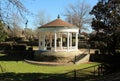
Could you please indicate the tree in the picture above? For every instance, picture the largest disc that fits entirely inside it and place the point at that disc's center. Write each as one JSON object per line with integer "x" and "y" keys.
{"x": 28, "y": 33}
{"x": 7, "y": 7}
{"x": 41, "y": 19}
{"x": 78, "y": 14}
{"x": 107, "y": 24}
{"x": 3, "y": 34}
{"x": 15, "y": 25}
{"x": 35, "y": 34}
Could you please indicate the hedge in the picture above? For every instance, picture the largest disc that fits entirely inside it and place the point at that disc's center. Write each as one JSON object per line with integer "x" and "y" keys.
{"x": 19, "y": 47}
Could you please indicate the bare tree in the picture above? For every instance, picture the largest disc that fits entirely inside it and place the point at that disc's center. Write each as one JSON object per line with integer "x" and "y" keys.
{"x": 7, "y": 7}
{"x": 28, "y": 32}
{"x": 78, "y": 14}
{"x": 41, "y": 18}
{"x": 15, "y": 25}
{"x": 35, "y": 33}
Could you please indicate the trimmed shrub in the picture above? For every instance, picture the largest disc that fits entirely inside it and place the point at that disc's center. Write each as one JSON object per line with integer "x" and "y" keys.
{"x": 30, "y": 48}
{"x": 5, "y": 46}
{"x": 29, "y": 43}
{"x": 19, "y": 47}
{"x": 83, "y": 44}
{"x": 16, "y": 39}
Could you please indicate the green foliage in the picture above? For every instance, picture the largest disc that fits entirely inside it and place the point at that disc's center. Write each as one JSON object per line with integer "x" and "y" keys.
{"x": 3, "y": 34}
{"x": 29, "y": 43}
{"x": 19, "y": 47}
{"x": 5, "y": 46}
{"x": 107, "y": 23}
{"x": 15, "y": 39}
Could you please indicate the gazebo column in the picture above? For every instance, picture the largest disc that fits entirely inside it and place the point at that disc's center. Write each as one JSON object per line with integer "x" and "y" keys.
{"x": 55, "y": 41}
{"x": 70, "y": 40}
{"x": 67, "y": 41}
{"x": 43, "y": 45}
{"x": 39, "y": 42}
{"x": 50, "y": 42}
{"x": 76, "y": 40}
{"x": 61, "y": 41}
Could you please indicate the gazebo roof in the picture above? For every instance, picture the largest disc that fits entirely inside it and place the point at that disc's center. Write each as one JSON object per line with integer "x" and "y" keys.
{"x": 58, "y": 23}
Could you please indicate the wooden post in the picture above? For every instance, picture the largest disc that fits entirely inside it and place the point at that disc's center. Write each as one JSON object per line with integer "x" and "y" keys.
{"x": 74, "y": 74}
{"x": 94, "y": 71}
{"x": 75, "y": 59}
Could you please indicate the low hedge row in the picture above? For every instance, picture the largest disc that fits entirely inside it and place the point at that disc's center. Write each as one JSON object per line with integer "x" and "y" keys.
{"x": 17, "y": 50}
{"x": 5, "y": 46}
{"x": 8, "y": 46}
{"x": 29, "y": 43}
{"x": 20, "y": 47}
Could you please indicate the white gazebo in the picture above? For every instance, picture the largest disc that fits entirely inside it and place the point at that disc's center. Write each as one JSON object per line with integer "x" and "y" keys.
{"x": 58, "y": 35}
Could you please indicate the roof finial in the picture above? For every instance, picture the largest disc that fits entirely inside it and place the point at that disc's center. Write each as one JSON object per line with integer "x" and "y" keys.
{"x": 58, "y": 16}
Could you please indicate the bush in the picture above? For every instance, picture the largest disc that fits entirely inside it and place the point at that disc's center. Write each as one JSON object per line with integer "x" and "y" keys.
{"x": 30, "y": 49}
{"x": 15, "y": 39}
{"x": 5, "y": 46}
{"x": 19, "y": 47}
{"x": 83, "y": 44}
{"x": 29, "y": 43}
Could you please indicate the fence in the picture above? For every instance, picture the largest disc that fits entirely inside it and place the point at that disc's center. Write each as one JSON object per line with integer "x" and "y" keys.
{"x": 75, "y": 75}
{"x": 78, "y": 75}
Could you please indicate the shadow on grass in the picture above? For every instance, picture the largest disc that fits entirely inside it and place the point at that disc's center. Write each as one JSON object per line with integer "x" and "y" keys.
{"x": 16, "y": 55}
{"x": 8, "y": 57}
{"x": 38, "y": 77}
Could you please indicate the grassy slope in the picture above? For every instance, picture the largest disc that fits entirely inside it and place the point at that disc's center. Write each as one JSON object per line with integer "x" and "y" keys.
{"x": 22, "y": 67}
{"x": 22, "y": 71}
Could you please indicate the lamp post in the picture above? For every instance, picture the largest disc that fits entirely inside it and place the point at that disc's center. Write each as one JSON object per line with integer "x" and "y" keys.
{"x": 25, "y": 28}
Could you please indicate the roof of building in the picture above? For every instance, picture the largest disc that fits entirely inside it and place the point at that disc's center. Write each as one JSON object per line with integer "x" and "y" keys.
{"x": 58, "y": 23}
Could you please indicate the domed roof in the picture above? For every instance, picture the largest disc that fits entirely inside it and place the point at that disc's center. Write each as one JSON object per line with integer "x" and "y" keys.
{"x": 58, "y": 23}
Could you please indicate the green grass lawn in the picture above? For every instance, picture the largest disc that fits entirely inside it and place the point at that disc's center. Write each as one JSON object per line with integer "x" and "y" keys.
{"x": 23, "y": 67}
{"x": 22, "y": 71}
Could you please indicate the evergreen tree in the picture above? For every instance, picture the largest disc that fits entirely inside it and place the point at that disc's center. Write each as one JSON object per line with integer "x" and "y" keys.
{"x": 107, "y": 24}
{"x": 3, "y": 34}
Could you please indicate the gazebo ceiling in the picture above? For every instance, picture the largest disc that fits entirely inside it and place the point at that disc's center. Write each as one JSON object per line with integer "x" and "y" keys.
{"x": 58, "y": 23}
